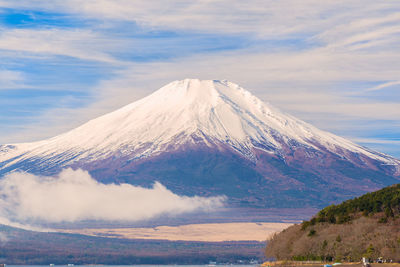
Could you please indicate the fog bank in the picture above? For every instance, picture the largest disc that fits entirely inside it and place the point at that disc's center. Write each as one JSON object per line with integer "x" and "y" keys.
{"x": 73, "y": 195}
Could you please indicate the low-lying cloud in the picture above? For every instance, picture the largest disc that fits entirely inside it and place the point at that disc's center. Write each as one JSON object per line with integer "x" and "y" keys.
{"x": 74, "y": 195}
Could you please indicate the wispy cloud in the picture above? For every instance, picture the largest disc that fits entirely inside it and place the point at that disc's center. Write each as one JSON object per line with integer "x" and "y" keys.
{"x": 384, "y": 85}
{"x": 308, "y": 57}
{"x": 11, "y": 79}
{"x": 300, "y": 83}
{"x": 74, "y": 195}
{"x": 264, "y": 18}
{"x": 82, "y": 44}
{"x": 378, "y": 141}
{"x": 364, "y": 30}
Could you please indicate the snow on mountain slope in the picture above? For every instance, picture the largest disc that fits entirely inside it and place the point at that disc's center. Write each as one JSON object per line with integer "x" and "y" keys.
{"x": 183, "y": 112}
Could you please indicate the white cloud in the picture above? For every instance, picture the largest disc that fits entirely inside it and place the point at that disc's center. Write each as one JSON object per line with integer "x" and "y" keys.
{"x": 82, "y": 44}
{"x": 377, "y": 141}
{"x": 6, "y": 221}
{"x": 339, "y": 42}
{"x": 74, "y": 195}
{"x": 295, "y": 82}
{"x": 11, "y": 79}
{"x": 384, "y": 85}
{"x": 261, "y": 17}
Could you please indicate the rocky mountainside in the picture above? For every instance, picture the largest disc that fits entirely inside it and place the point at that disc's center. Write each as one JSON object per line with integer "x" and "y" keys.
{"x": 209, "y": 137}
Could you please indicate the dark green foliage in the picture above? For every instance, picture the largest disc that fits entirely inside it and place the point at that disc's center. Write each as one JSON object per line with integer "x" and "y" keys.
{"x": 304, "y": 225}
{"x": 313, "y": 221}
{"x": 332, "y": 218}
{"x": 324, "y": 244}
{"x": 343, "y": 218}
{"x": 389, "y": 212}
{"x": 338, "y": 239}
{"x": 386, "y": 200}
{"x": 383, "y": 220}
{"x": 312, "y": 232}
{"x": 369, "y": 251}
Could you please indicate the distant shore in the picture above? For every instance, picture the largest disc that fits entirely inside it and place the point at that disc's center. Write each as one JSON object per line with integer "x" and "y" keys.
{"x": 210, "y": 232}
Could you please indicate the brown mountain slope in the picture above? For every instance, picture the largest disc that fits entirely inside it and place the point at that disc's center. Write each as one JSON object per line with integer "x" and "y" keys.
{"x": 368, "y": 226}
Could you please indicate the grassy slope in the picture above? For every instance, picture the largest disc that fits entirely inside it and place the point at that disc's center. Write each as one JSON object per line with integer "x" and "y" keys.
{"x": 365, "y": 226}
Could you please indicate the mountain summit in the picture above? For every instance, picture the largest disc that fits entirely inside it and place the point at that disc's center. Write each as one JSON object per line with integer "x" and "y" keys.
{"x": 212, "y": 137}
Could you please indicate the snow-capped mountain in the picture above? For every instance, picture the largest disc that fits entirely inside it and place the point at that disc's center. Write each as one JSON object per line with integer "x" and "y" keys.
{"x": 191, "y": 121}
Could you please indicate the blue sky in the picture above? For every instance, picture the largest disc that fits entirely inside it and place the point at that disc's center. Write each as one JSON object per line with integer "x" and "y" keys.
{"x": 335, "y": 64}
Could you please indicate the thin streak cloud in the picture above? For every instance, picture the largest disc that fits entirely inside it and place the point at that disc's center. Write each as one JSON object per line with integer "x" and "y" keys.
{"x": 384, "y": 85}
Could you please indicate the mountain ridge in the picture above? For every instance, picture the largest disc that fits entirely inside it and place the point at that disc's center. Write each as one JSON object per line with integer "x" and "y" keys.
{"x": 203, "y": 115}
{"x": 194, "y": 135}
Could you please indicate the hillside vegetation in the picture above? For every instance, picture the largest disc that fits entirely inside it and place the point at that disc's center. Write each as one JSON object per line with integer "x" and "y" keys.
{"x": 365, "y": 226}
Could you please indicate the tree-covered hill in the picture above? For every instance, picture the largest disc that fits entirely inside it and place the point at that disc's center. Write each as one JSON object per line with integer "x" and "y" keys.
{"x": 386, "y": 200}
{"x": 365, "y": 226}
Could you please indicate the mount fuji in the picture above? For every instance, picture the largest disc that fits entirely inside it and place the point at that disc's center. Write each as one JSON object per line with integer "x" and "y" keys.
{"x": 211, "y": 137}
